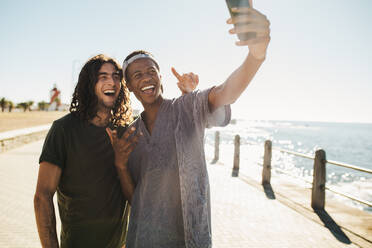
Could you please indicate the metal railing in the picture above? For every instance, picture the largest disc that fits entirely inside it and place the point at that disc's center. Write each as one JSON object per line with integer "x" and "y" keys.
{"x": 349, "y": 166}
{"x": 319, "y": 175}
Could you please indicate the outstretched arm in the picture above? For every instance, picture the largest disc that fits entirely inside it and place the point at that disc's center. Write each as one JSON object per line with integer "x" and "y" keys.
{"x": 249, "y": 20}
{"x": 47, "y": 182}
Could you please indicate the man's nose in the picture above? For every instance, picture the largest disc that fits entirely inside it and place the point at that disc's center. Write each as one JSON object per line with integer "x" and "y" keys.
{"x": 146, "y": 77}
{"x": 110, "y": 81}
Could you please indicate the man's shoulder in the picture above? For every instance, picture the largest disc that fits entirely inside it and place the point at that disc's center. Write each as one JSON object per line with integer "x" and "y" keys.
{"x": 192, "y": 99}
{"x": 192, "y": 95}
{"x": 67, "y": 121}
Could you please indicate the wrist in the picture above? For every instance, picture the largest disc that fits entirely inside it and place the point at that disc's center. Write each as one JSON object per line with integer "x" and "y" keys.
{"x": 258, "y": 57}
{"x": 121, "y": 165}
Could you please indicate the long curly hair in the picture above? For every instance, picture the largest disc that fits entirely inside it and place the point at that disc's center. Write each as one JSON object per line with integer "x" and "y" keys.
{"x": 84, "y": 102}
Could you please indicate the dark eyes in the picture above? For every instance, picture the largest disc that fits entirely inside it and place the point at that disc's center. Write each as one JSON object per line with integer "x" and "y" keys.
{"x": 139, "y": 75}
{"x": 106, "y": 77}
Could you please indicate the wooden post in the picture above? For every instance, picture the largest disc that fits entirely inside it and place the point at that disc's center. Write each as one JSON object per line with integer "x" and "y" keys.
{"x": 266, "y": 170}
{"x": 216, "y": 147}
{"x": 319, "y": 180}
{"x": 235, "y": 171}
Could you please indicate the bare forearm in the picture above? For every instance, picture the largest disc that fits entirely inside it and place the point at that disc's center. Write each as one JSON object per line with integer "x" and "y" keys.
{"x": 238, "y": 81}
{"x": 122, "y": 148}
{"x": 126, "y": 182}
{"x": 46, "y": 221}
{"x": 235, "y": 84}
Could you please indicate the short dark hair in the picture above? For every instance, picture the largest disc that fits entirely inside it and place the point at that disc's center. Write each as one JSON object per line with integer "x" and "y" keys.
{"x": 132, "y": 54}
{"x": 84, "y": 102}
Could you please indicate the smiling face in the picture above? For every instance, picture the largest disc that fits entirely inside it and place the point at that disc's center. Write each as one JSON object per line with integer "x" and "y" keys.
{"x": 108, "y": 86}
{"x": 144, "y": 81}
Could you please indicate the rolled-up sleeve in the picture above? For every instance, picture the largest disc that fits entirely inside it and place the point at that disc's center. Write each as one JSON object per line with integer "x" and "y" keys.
{"x": 197, "y": 101}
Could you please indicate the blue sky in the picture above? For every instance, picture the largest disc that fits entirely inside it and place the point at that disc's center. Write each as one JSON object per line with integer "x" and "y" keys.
{"x": 317, "y": 66}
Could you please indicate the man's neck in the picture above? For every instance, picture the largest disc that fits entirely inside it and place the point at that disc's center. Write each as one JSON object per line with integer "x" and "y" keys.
{"x": 102, "y": 118}
{"x": 150, "y": 113}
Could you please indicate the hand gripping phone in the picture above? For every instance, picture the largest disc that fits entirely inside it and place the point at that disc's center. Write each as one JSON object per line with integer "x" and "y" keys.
{"x": 236, "y": 4}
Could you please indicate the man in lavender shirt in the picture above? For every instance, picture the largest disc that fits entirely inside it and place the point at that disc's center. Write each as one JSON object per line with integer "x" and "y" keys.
{"x": 167, "y": 169}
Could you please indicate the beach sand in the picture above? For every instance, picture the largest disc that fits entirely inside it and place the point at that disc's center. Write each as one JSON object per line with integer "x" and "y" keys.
{"x": 18, "y": 120}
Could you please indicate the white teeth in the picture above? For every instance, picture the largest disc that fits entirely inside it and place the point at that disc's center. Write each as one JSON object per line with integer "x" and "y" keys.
{"x": 148, "y": 87}
{"x": 109, "y": 91}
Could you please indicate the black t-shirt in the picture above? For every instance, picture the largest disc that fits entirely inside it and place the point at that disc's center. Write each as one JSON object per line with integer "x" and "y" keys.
{"x": 90, "y": 200}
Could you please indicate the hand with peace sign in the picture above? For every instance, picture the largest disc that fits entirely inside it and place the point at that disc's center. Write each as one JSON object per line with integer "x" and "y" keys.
{"x": 187, "y": 82}
{"x": 249, "y": 20}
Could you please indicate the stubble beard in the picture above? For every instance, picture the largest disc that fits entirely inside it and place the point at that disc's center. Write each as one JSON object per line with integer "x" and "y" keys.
{"x": 105, "y": 106}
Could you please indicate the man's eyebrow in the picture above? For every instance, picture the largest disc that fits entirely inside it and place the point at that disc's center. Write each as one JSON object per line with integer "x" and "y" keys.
{"x": 147, "y": 68}
{"x": 106, "y": 73}
{"x": 135, "y": 72}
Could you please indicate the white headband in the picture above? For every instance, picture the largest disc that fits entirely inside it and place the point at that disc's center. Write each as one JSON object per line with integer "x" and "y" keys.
{"x": 126, "y": 63}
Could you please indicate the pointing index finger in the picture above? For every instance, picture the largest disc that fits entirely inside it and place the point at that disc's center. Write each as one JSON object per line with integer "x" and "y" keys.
{"x": 176, "y": 74}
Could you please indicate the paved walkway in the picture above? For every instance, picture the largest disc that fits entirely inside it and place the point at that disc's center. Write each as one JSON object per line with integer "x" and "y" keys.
{"x": 242, "y": 215}
{"x": 24, "y": 131}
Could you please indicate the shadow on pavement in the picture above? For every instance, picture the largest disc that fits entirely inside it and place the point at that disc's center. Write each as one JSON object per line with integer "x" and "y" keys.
{"x": 332, "y": 226}
{"x": 269, "y": 191}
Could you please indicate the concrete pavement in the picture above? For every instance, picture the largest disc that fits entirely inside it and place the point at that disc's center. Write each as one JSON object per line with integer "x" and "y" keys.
{"x": 242, "y": 216}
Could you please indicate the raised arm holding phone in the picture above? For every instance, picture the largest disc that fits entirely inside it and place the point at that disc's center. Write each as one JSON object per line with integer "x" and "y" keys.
{"x": 246, "y": 20}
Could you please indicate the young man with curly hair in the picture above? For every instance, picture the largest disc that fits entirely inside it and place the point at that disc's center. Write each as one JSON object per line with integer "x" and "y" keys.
{"x": 77, "y": 161}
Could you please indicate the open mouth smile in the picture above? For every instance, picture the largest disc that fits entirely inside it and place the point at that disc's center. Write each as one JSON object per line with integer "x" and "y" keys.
{"x": 149, "y": 89}
{"x": 109, "y": 92}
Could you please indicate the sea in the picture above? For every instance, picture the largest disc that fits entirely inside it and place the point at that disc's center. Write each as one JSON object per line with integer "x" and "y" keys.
{"x": 349, "y": 143}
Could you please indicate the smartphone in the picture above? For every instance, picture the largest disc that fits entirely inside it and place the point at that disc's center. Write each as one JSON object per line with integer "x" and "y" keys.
{"x": 120, "y": 129}
{"x": 236, "y": 4}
